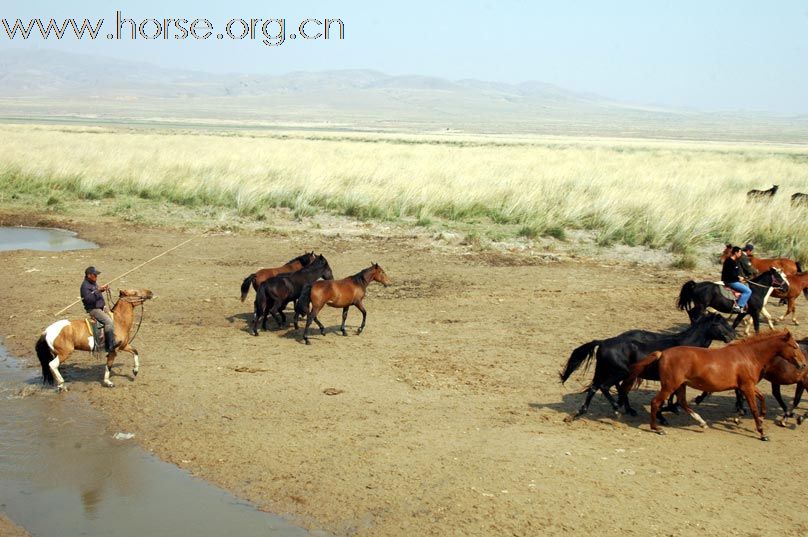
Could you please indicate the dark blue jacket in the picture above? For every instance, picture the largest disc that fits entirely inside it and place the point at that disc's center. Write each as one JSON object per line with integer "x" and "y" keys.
{"x": 91, "y": 297}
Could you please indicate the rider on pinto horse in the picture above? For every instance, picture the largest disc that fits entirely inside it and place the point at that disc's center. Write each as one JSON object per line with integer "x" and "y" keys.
{"x": 93, "y": 299}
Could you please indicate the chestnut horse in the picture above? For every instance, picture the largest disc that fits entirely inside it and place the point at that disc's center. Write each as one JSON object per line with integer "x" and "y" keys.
{"x": 797, "y": 284}
{"x": 342, "y": 293}
{"x": 760, "y": 264}
{"x": 739, "y": 365}
{"x": 60, "y": 339}
{"x": 260, "y": 276}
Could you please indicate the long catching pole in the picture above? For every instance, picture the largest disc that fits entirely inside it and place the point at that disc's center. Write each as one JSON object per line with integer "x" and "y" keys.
{"x": 129, "y": 272}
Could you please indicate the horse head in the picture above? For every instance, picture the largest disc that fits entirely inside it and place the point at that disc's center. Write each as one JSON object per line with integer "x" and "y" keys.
{"x": 718, "y": 327}
{"x": 725, "y": 254}
{"x": 792, "y": 351}
{"x": 379, "y": 275}
{"x": 307, "y": 258}
{"x": 327, "y": 274}
{"x": 135, "y": 295}
{"x": 778, "y": 279}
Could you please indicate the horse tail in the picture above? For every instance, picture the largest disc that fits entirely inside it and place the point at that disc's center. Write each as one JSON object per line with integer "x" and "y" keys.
{"x": 245, "y": 285}
{"x": 45, "y": 356}
{"x": 685, "y": 301}
{"x": 580, "y": 355}
{"x": 633, "y": 380}
{"x": 302, "y": 304}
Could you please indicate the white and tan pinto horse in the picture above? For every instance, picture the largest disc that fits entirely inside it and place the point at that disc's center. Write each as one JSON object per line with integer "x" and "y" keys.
{"x": 60, "y": 339}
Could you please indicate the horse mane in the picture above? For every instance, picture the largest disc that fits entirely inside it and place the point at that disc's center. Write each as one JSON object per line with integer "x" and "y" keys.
{"x": 761, "y": 337}
{"x": 359, "y": 277}
{"x": 301, "y": 258}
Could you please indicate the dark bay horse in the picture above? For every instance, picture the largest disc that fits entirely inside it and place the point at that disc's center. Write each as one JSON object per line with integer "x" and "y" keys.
{"x": 762, "y": 194}
{"x": 60, "y": 339}
{"x": 342, "y": 293}
{"x": 739, "y": 365}
{"x": 695, "y": 298}
{"x": 788, "y": 266}
{"x": 274, "y": 294}
{"x": 261, "y": 275}
{"x": 614, "y": 356}
{"x": 799, "y": 199}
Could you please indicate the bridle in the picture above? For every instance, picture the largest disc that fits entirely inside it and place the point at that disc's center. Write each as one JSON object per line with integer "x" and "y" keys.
{"x": 135, "y": 301}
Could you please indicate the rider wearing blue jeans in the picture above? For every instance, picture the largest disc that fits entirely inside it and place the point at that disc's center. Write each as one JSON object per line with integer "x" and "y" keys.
{"x": 731, "y": 276}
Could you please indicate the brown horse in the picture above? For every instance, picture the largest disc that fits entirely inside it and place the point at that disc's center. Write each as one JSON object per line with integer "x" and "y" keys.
{"x": 60, "y": 339}
{"x": 797, "y": 284}
{"x": 342, "y": 293}
{"x": 260, "y": 276}
{"x": 760, "y": 264}
{"x": 739, "y": 365}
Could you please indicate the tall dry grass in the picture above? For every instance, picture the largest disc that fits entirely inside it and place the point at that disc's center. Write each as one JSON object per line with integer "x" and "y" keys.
{"x": 672, "y": 195}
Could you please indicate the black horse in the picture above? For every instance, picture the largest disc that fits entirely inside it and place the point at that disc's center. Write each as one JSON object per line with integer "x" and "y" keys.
{"x": 277, "y": 292}
{"x": 762, "y": 194}
{"x": 614, "y": 356}
{"x": 695, "y": 298}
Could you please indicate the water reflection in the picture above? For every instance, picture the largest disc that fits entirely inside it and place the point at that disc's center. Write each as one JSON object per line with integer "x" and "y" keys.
{"x": 62, "y": 473}
{"x": 51, "y": 240}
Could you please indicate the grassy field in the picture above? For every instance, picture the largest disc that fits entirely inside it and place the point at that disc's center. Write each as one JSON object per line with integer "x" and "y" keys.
{"x": 670, "y": 195}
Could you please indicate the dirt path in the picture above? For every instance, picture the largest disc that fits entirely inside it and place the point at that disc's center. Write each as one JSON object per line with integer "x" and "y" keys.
{"x": 449, "y": 418}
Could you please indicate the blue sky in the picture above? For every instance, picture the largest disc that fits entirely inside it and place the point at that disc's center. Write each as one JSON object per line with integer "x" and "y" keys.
{"x": 708, "y": 55}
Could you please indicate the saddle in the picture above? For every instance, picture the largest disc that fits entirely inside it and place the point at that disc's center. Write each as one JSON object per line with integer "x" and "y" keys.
{"x": 728, "y": 292}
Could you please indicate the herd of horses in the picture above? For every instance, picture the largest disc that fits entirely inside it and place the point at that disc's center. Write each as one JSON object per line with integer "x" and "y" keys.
{"x": 797, "y": 199}
{"x": 679, "y": 360}
{"x": 676, "y": 360}
{"x": 307, "y": 282}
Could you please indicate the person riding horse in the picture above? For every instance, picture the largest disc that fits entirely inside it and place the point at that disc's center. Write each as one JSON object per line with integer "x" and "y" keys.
{"x": 93, "y": 299}
{"x": 731, "y": 276}
{"x": 746, "y": 264}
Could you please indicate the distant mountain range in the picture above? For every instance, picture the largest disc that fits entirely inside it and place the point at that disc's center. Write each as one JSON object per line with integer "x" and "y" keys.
{"x": 53, "y": 85}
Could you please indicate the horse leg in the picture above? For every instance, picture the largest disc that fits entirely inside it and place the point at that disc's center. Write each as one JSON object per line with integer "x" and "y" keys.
{"x": 344, "y": 318}
{"x": 681, "y": 397}
{"x": 768, "y": 317}
{"x": 749, "y": 392}
{"x": 590, "y": 393}
{"x": 622, "y": 398}
{"x": 797, "y": 397}
{"x": 361, "y": 308}
{"x": 779, "y": 398}
{"x": 656, "y": 403}
{"x": 739, "y": 408}
{"x": 312, "y": 316}
{"x": 108, "y": 369}
{"x": 135, "y": 356}
{"x": 700, "y": 398}
{"x": 54, "y": 367}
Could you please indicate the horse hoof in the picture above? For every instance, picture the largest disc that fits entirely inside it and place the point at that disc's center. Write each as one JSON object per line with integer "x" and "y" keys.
{"x": 322, "y": 332}
{"x": 799, "y": 420}
{"x": 135, "y": 372}
{"x": 307, "y": 342}
{"x": 61, "y": 388}
{"x": 344, "y": 333}
{"x": 631, "y": 412}
{"x": 108, "y": 384}
{"x": 736, "y": 420}
{"x": 780, "y": 421}
{"x": 660, "y": 432}
{"x": 764, "y": 438}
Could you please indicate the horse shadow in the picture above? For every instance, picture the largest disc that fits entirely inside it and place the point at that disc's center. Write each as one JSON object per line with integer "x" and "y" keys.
{"x": 718, "y": 411}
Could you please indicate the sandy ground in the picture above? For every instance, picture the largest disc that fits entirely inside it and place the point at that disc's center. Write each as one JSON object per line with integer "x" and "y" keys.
{"x": 448, "y": 417}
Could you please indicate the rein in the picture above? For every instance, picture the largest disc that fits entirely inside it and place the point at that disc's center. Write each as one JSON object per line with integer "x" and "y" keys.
{"x": 135, "y": 301}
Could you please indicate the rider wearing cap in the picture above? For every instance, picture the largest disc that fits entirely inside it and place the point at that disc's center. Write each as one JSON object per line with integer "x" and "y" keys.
{"x": 746, "y": 264}
{"x": 93, "y": 299}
